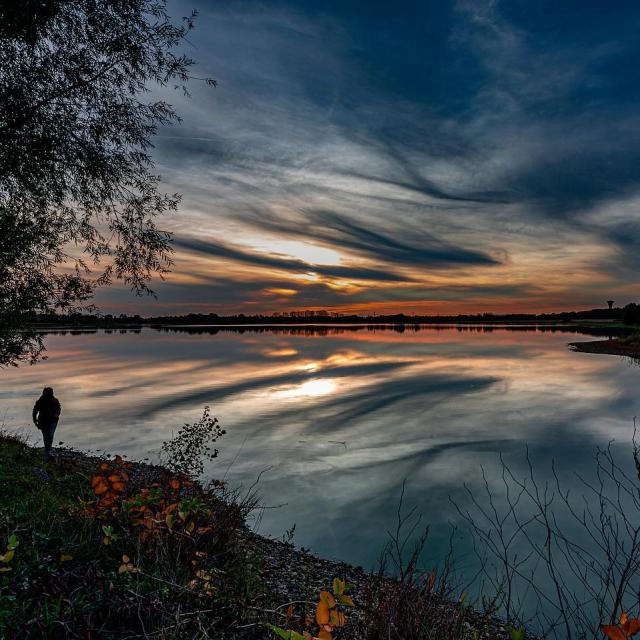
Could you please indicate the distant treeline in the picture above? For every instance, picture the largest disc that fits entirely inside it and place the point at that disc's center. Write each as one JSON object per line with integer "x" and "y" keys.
{"x": 629, "y": 315}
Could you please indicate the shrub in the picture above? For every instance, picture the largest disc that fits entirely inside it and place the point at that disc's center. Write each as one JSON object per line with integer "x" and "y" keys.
{"x": 188, "y": 449}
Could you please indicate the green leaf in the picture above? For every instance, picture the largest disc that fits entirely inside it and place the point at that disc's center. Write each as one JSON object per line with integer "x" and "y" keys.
{"x": 516, "y": 634}
{"x": 338, "y": 586}
{"x": 287, "y": 634}
{"x": 347, "y": 601}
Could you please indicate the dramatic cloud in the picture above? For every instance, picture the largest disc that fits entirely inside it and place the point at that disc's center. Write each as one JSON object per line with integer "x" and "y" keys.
{"x": 473, "y": 155}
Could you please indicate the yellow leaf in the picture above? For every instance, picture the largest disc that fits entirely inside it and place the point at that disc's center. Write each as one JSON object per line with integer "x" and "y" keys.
{"x": 8, "y": 557}
{"x": 65, "y": 557}
{"x": 338, "y": 586}
{"x": 126, "y": 559}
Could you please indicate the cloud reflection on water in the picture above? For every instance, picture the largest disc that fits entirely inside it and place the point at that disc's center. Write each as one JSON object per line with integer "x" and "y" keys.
{"x": 431, "y": 406}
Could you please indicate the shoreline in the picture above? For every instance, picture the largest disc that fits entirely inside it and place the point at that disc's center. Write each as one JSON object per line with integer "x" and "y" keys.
{"x": 285, "y": 574}
{"x": 614, "y": 347}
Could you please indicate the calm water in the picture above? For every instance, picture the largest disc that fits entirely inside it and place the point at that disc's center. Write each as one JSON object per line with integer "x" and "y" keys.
{"x": 429, "y": 406}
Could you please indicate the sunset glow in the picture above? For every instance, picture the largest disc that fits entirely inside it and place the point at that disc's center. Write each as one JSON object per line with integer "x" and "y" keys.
{"x": 491, "y": 171}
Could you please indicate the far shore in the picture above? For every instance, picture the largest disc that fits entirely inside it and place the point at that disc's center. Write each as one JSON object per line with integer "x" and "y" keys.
{"x": 615, "y": 346}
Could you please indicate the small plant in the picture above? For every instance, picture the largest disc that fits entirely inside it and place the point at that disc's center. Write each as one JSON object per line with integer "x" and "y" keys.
{"x": 329, "y": 615}
{"x": 188, "y": 449}
{"x": 127, "y": 566}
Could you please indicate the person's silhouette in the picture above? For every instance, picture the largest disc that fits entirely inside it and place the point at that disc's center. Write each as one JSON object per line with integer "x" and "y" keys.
{"x": 46, "y": 413}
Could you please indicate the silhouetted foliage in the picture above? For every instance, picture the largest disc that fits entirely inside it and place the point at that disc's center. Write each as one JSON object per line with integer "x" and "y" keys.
{"x": 632, "y": 313}
{"x": 78, "y": 196}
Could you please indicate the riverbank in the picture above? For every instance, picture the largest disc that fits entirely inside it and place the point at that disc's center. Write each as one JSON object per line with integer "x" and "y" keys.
{"x": 628, "y": 346}
{"x": 97, "y": 547}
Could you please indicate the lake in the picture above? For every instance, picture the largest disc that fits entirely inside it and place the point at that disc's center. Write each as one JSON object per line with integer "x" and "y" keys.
{"x": 333, "y": 421}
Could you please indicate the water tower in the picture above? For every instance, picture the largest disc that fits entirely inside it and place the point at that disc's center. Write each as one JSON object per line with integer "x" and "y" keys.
{"x": 610, "y": 303}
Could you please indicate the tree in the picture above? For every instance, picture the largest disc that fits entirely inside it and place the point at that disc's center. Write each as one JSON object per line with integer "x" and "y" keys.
{"x": 78, "y": 195}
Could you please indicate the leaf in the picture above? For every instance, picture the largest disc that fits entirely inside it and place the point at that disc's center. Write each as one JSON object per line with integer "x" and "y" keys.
{"x": 105, "y": 466}
{"x": 99, "y": 485}
{"x": 126, "y": 559}
{"x": 328, "y": 598}
{"x": 118, "y": 487}
{"x": 5, "y": 569}
{"x": 322, "y": 613}
{"x": 287, "y": 634}
{"x": 516, "y": 634}
{"x": 118, "y": 459}
{"x": 170, "y": 520}
{"x": 175, "y": 484}
{"x": 337, "y": 618}
{"x": 632, "y": 626}
{"x": 613, "y": 632}
{"x": 347, "y": 601}
{"x": 338, "y": 586}
{"x": 8, "y": 557}
{"x": 65, "y": 557}
{"x": 325, "y": 635}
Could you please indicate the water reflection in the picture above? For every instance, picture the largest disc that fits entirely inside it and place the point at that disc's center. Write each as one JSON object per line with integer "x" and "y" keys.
{"x": 340, "y": 415}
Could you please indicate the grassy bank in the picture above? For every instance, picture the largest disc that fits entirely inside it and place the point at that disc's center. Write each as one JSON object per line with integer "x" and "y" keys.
{"x": 103, "y": 548}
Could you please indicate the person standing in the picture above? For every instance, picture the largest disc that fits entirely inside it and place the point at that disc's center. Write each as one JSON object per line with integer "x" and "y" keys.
{"x": 46, "y": 413}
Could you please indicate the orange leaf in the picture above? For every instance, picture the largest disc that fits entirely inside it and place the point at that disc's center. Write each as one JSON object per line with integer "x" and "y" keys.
{"x": 325, "y": 635}
{"x": 119, "y": 459}
{"x": 631, "y": 626}
{"x": 338, "y": 619}
{"x": 322, "y": 613}
{"x": 118, "y": 487}
{"x": 613, "y": 632}
{"x": 175, "y": 484}
{"x": 100, "y": 486}
{"x": 105, "y": 466}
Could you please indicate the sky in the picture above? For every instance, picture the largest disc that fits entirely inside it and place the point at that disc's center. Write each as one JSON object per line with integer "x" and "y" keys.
{"x": 416, "y": 157}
